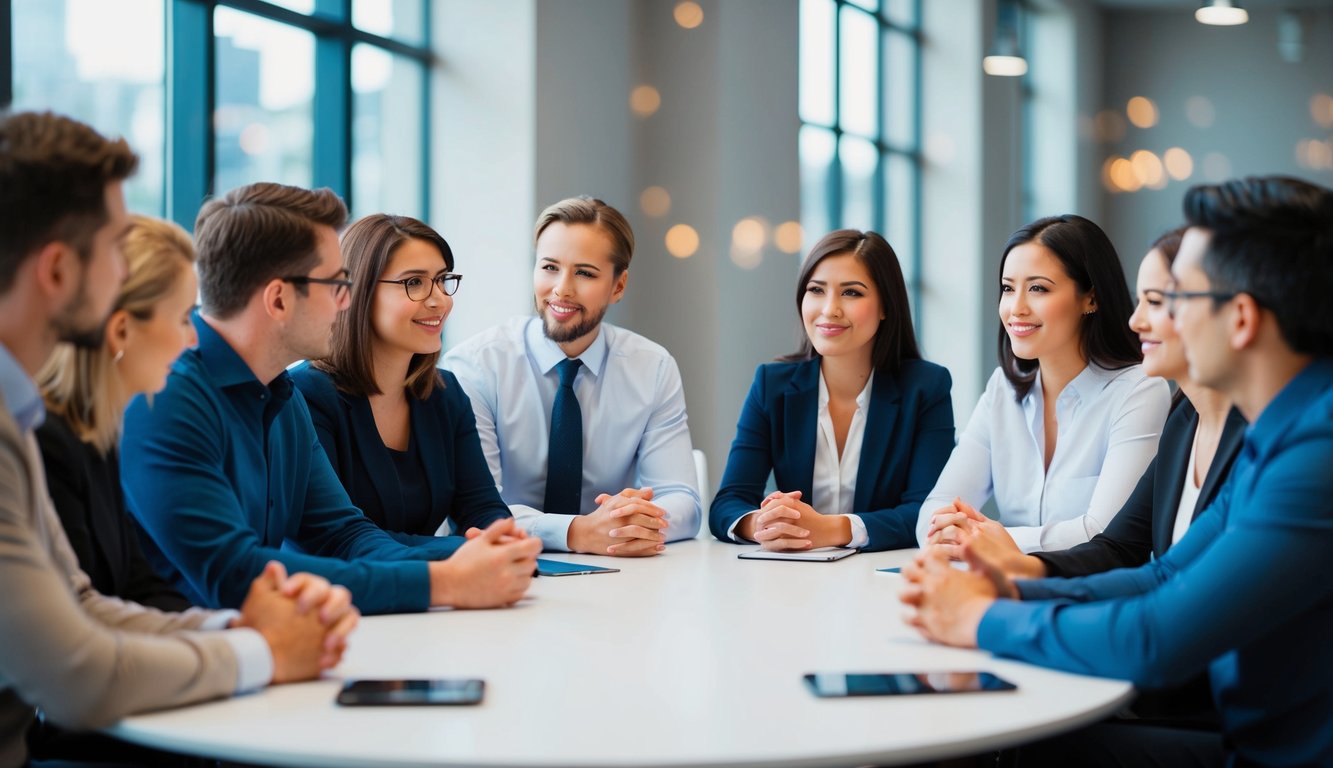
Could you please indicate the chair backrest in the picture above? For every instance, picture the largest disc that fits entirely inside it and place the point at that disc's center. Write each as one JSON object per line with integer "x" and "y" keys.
{"x": 701, "y": 476}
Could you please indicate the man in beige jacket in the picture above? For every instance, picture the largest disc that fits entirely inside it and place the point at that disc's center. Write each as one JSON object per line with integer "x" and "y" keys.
{"x": 83, "y": 658}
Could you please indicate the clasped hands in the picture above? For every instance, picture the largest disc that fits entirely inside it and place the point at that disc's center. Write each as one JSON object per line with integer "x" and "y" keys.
{"x": 946, "y": 604}
{"x": 785, "y": 522}
{"x": 304, "y": 619}
{"x": 627, "y": 524}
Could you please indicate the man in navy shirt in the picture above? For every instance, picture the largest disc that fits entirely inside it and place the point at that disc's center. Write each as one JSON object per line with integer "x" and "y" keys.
{"x": 223, "y": 468}
{"x": 1246, "y": 595}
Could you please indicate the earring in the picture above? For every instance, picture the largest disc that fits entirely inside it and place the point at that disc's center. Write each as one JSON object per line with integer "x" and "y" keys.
{"x": 119, "y": 356}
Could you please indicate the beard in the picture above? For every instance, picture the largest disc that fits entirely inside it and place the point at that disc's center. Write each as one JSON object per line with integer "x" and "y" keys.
{"x": 69, "y": 327}
{"x": 568, "y": 332}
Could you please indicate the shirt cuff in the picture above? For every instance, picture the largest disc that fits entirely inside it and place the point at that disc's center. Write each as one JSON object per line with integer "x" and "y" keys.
{"x": 254, "y": 660}
{"x": 1003, "y": 627}
{"x": 731, "y": 532}
{"x": 219, "y": 620}
{"x": 860, "y": 537}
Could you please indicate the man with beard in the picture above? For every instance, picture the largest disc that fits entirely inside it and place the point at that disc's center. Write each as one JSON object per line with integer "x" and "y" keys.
{"x": 571, "y": 409}
{"x": 224, "y": 470}
{"x": 83, "y": 658}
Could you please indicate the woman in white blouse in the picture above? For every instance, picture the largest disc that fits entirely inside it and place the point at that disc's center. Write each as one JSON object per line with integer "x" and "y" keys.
{"x": 1069, "y": 421}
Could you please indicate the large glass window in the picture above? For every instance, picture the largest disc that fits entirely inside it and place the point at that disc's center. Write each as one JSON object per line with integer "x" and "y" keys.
{"x": 217, "y": 93}
{"x": 99, "y": 61}
{"x": 860, "y": 137}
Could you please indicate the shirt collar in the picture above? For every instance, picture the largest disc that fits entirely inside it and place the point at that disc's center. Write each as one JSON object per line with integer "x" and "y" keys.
{"x": 1084, "y": 387}
{"x": 1276, "y": 418}
{"x": 548, "y": 354}
{"x": 861, "y": 399}
{"x": 21, "y": 396}
{"x": 224, "y": 365}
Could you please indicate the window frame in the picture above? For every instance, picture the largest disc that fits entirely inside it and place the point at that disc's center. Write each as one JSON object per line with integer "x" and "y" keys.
{"x": 835, "y": 204}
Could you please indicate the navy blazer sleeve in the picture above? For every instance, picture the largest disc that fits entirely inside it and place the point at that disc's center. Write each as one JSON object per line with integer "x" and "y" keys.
{"x": 748, "y": 464}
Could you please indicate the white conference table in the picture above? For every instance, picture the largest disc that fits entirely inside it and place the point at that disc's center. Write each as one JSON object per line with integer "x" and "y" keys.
{"x": 692, "y": 657}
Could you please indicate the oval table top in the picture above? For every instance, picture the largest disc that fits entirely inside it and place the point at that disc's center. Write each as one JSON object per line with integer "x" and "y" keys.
{"x": 692, "y": 657}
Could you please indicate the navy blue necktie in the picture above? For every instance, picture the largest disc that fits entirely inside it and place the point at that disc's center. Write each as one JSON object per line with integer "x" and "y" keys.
{"x": 564, "y": 458}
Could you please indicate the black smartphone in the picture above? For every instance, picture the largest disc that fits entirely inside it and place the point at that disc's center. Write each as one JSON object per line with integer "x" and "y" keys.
{"x": 393, "y": 693}
{"x": 836, "y": 685}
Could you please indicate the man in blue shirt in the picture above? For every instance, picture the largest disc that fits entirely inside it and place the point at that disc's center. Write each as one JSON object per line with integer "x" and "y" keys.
{"x": 223, "y": 468}
{"x": 1246, "y": 594}
{"x": 83, "y": 658}
{"x": 571, "y": 409}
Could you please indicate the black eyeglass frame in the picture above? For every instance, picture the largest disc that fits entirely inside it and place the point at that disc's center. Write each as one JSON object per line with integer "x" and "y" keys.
{"x": 439, "y": 281}
{"x": 1173, "y": 298}
{"x": 341, "y": 285}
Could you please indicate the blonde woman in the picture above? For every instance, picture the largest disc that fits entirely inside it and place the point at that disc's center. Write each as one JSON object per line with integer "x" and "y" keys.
{"x": 86, "y": 386}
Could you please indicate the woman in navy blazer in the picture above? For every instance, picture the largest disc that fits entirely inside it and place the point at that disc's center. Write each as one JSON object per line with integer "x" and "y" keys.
{"x": 854, "y": 427}
{"x": 399, "y": 432}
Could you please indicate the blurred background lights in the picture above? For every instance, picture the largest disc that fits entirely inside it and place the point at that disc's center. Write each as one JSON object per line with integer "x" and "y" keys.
{"x": 1321, "y": 109}
{"x": 655, "y": 201}
{"x": 788, "y": 236}
{"x": 1122, "y": 175}
{"x": 688, "y": 14}
{"x": 1200, "y": 112}
{"x": 682, "y": 241}
{"x": 1142, "y": 112}
{"x": 1148, "y": 169}
{"x": 749, "y": 235}
{"x": 644, "y": 100}
{"x": 254, "y": 139}
{"x": 746, "y": 259}
{"x": 1178, "y": 162}
{"x": 1315, "y": 154}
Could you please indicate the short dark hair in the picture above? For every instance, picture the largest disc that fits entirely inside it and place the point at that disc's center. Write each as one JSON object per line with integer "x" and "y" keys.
{"x": 1091, "y": 262}
{"x": 367, "y": 247}
{"x": 255, "y": 234}
{"x": 895, "y": 338}
{"x": 54, "y": 171}
{"x": 593, "y": 212}
{"x": 1272, "y": 238}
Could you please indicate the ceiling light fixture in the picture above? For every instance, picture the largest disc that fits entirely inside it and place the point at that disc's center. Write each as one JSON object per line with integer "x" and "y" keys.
{"x": 1221, "y": 13}
{"x": 1005, "y": 58}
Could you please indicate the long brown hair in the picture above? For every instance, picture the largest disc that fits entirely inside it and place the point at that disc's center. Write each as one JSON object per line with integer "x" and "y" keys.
{"x": 895, "y": 338}
{"x": 368, "y": 246}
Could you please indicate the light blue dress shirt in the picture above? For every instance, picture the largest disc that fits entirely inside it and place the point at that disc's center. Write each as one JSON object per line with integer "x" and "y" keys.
{"x": 1108, "y": 425}
{"x": 254, "y": 661}
{"x": 634, "y": 423}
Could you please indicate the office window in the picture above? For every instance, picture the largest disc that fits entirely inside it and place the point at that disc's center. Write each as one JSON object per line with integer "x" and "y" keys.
{"x": 860, "y": 130}
{"x": 100, "y": 61}
{"x": 218, "y": 93}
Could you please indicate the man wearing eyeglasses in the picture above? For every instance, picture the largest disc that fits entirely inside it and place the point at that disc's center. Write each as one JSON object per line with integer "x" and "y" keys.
{"x": 223, "y": 468}
{"x": 1246, "y": 595}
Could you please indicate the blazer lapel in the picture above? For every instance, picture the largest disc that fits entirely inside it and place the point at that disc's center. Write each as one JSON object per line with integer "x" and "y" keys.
{"x": 881, "y": 416}
{"x": 375, "y": 458}
{"x": 1173, "y": 458}
{"x": 434, "y": 447}
{"x": 801, "y": 413}
{"x": 1228, "y": 447}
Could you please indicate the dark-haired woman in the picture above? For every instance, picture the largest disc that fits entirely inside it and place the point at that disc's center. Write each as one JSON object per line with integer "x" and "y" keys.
{"x": 1069, "y": 421}
{"x": 854, "y": 426}
{"x": 399, "y": 432}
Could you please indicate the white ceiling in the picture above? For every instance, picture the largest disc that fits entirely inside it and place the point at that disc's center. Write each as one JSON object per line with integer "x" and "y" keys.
{"x": 1251, "y": 4}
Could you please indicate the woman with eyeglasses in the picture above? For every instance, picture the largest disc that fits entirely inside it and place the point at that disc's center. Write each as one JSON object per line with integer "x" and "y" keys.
{"x": 1070, "y": 420}
{"x": 399, "y": 432}
{"x": 86, "y": 389}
